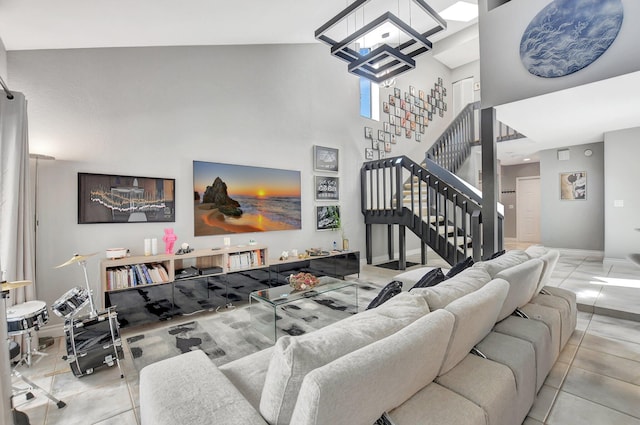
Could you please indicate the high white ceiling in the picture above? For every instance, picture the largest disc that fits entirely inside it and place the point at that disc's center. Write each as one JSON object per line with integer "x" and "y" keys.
{"x": 558, "y": 119}
{"x": 61, "y": 24}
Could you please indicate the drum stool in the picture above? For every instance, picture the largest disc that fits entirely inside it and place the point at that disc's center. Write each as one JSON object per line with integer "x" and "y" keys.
{"x": 14, "y": 352}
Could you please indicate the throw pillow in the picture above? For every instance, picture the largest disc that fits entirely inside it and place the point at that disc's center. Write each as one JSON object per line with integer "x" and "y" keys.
{"x": 391, "y": 290}
{"x": 496, "y": 254}
{"x": 431, "y": 278}
{"x": 464, "y": 264}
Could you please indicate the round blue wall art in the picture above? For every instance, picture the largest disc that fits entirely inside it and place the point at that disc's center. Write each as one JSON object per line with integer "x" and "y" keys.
{"x": 568, "y": 35}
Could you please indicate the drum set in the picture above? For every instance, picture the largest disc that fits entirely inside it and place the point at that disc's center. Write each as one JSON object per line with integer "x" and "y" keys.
{"x": 92, "y": 340}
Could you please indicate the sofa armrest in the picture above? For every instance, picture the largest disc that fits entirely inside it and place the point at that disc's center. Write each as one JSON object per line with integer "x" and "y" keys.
{"x": 189, "y": 389}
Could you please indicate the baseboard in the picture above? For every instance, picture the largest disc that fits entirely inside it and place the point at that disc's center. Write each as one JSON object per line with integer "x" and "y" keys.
{"x": 580, "y": 252}
{"x": 610, "y": 261}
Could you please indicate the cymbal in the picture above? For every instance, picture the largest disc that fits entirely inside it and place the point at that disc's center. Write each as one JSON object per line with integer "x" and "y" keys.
{"x": 15, "y": 285}
{"x": 75, "y": 259}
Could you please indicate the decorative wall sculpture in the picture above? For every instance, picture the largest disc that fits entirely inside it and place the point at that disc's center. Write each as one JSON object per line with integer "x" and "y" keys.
{"x": 569, "y": 35}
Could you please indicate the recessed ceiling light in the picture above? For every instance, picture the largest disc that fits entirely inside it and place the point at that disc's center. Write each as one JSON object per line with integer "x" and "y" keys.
{"x": 526, "y": 159}
{"x": 460, "y": 11}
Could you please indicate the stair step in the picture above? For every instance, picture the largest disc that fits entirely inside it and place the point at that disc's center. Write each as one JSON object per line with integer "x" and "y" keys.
{"x": 460, "y": 241}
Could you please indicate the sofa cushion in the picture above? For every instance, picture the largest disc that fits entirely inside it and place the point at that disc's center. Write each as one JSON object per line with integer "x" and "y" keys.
{"x": 549, "y": 257}
{"x": 523, "y": 280}
{"x": 431, "y": 278}
{"x": 462, "y": 265}
{"x": 536, "y": 333}
{"x": 294, "y": 357}
{"x": 389, "y": 291}
{"x": 486, "y": 383}
{"x": 519, "y": 356}
{"x": 567, "y": 321}
{"x": 508, "y": 259}
{"x": 358, "y": 387}
{"x": 475, "y": 315}
{"x": 436, "y": 405}
{"x": 248, "y": 374}
{"x": 570, "y": 298}
{"x": 189, "y": 389}
{"x": 458, "y": 286}
{"x": 551, "y": 318}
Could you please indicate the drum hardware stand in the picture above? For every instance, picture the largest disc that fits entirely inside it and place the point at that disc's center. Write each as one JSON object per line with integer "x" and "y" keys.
{"x": 93, "y": 313}
{"x": 31, "y": 385}
{"x": 14, "y": 373}
{"x": 27, "y": 357}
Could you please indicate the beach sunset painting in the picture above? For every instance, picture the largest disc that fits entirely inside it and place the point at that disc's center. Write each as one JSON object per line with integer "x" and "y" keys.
{"x": 243, "y": 199}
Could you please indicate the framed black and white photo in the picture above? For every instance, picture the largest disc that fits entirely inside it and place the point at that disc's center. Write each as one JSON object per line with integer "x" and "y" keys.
{"x": 368, "y": 132}
{"x": 325, "y": 159}
{"x": 327, "y": 188}
{"x": 381, "y": 135}
{"x": 327, "y": 217}
{"x": 368, "y": 154}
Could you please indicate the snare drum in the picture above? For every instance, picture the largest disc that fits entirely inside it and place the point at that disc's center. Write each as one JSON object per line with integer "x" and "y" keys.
{"x": 21, "y": 318}
{"x": 72, "y": 301}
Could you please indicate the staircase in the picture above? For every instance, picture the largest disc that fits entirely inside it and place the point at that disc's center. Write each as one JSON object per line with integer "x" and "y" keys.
{"x": 429, "y": 199}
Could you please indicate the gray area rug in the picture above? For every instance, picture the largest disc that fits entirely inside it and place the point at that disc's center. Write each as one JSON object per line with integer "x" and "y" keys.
{"x": 230, "y": 335}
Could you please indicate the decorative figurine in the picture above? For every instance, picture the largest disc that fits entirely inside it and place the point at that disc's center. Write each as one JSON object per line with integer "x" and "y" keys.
{"x": 169, "y": 239}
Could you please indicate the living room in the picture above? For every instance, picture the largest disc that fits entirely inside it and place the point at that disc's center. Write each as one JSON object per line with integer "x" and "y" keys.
{"x": 152, "y": 111}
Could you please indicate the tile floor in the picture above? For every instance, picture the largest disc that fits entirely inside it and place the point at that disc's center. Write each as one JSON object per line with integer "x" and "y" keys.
{"x": 596, "y": 380}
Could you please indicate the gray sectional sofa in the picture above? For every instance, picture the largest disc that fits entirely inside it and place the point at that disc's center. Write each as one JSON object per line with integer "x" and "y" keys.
{"x": 474, "y": 349}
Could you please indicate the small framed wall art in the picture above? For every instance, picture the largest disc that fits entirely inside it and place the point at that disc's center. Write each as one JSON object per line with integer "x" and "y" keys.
{"x": 327, "y": 217}
{"x": 325, "y": 159}
{"x": 573, "y": 186}
{"x": 327, "y": 188}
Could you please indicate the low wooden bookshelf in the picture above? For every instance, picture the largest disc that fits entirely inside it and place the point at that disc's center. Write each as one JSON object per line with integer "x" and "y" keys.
{"x": 129, "y": 272}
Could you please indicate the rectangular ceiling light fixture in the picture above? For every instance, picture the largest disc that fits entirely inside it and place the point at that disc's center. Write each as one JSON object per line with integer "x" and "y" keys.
{"x": 393, "y": 38}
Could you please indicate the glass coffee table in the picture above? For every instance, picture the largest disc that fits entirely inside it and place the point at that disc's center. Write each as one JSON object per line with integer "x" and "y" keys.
{"x": 264, "y": 304}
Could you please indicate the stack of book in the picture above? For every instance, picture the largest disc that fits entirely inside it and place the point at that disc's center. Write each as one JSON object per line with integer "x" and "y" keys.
{"x": 136, "y": 274}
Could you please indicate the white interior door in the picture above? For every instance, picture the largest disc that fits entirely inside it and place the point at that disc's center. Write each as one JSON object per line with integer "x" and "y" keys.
{"x": 528, "y": 209}
{"x": 462, "y": 94}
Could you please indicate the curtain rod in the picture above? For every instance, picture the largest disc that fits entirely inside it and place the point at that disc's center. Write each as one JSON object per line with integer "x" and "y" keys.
{"x": 6, "y": 89}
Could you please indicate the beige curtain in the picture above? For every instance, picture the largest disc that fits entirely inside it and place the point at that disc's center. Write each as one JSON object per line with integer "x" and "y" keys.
{"x": 17, "y": 234}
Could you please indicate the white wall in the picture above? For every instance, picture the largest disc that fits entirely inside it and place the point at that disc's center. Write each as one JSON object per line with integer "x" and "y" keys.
{"x": 152, "y": 111}
{"x": 575, "y": 224}
{"x": 622, "y": 174}
{"x": 504, "y": 77}
{"x": 3, "y": 62}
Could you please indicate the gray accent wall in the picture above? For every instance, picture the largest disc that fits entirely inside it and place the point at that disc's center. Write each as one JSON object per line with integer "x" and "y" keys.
{"x": 577, "y": 224}
{"x": 510, "y": 175}
{"x": 152, "y": 111}
{"x": 622, "y": 203}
